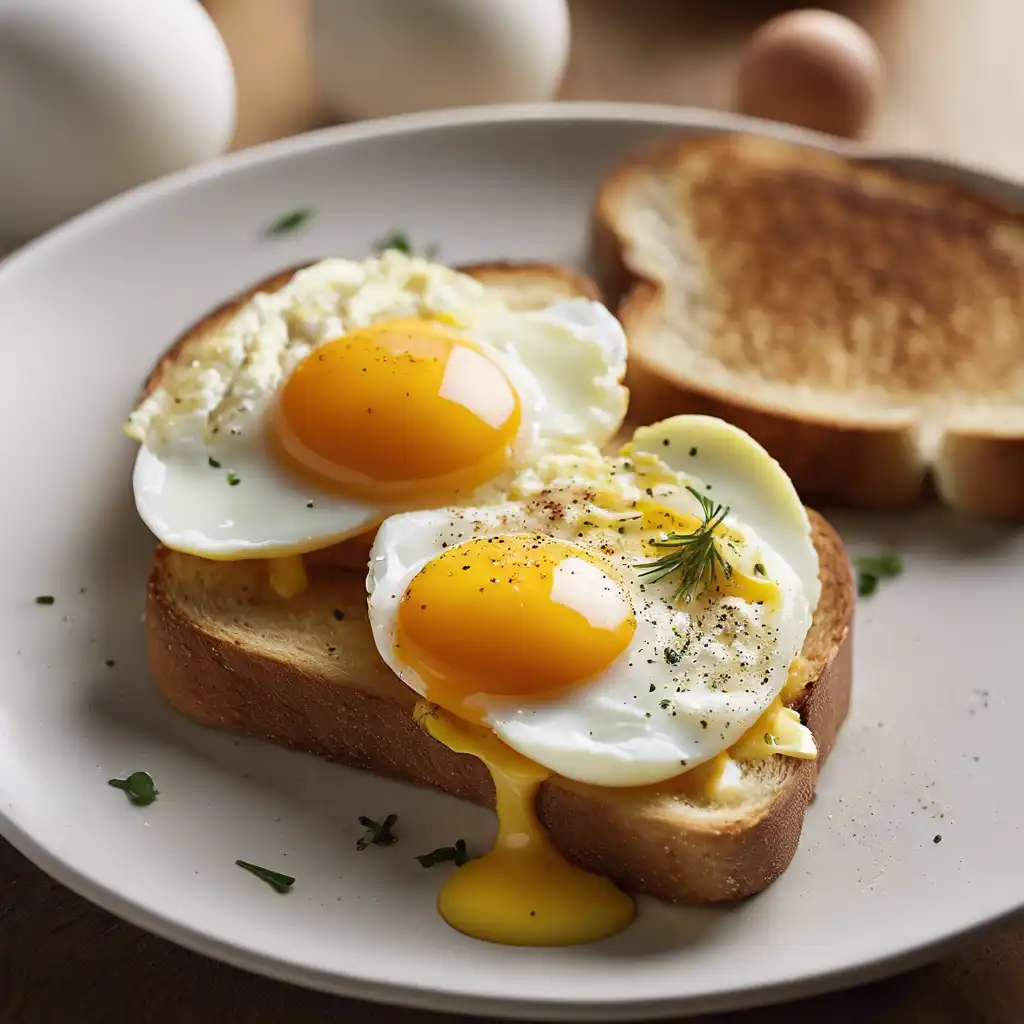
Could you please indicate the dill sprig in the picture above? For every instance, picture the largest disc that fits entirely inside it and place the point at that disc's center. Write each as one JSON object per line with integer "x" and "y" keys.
{"x": 693, "y": 556}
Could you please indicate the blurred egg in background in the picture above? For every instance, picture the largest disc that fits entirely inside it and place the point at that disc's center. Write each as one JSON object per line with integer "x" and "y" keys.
{"x": 97, "y": 96}
{"x": 373, "y": 58}
{"x": 812, "y": 68}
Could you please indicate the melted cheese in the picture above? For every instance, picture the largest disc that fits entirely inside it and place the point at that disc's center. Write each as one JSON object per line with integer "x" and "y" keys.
{"x": 288, "y": 576}
{"x": 523, "y": 892}
{"x": 723, "y": 780}
{"x": 778, "y": 731}
{"x": 796, "y": 681}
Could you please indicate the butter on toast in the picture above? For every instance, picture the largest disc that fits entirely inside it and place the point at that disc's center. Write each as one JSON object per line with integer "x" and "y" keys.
{"x": 866, "y": 328}
{"x": 227, "y": 651}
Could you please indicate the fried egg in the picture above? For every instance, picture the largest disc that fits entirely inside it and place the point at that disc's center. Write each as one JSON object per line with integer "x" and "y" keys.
{"x": 360, "y": 389}
{"x": 547, "y": 621}
{"x": 549, "y": 635}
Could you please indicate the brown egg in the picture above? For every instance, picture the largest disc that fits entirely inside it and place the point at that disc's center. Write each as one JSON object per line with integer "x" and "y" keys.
{"x": 811, "y": 68}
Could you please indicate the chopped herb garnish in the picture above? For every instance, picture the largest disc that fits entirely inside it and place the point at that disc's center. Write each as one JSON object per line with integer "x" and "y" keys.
{"x": 664, "y": 703}
{"x": 937, "y": 839}
{"x": 397, "y": 240}
{"x": 377, "y": 834}
{"x": 276, "y": 881}
{"x": 456, "y": 854}
{"x": 693, "y": 556}
{"x": 873, "y": 569}
{"x": 759, "y": 569}
{"x": 234, "y": 479}
{"x": 214, "y": 464}
{"x": 769, "y": 739}
{"x": 339, "y": 614}
{"x": 672, "y": 657}
{"x": 139, "y": 787}
{"x": 693, "y": 451}
{"x": 288, "y": 223}
{"x": 45, "y": 599}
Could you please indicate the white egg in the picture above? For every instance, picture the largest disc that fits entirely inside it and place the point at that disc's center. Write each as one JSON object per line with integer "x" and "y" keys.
{"x": 693, "y": 675}
{"x": 100, "y": 96}
{"x": 374, "y": 59}
{"x": 206, "y": 480}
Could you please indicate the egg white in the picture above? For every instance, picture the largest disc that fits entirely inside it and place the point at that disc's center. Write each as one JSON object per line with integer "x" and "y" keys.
{"x": 649, "y": 716}
{"x": 204, "y": 480}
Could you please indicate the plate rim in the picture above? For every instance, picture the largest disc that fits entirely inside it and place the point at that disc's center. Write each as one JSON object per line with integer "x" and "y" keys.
{"x": 577, "y": 1006}
{"x": 440, "y": 999}
{"x": 664, "y": 114}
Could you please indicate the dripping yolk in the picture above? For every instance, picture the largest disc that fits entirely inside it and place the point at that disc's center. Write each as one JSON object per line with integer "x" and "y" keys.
{"x": 517, "y": 614}
{"x": 659, "y": 523}
{"x": 523, "y": 892}
{"x": 401, "y": 410}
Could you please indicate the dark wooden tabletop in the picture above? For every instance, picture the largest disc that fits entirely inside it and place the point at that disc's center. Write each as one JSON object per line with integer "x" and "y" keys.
{"x": 955, "y": 89}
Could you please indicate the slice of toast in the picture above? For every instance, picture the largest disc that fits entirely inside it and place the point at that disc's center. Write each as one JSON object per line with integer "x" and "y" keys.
{"x": 866, "y": 328}
{"x": 228, "y": 652}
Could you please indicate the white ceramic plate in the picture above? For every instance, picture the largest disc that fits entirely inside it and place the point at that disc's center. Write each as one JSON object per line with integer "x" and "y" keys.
{"x": 932, "y": 747}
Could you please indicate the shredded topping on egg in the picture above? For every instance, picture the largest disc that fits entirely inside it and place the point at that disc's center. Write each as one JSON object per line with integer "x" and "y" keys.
{"x": 222, "y": 384}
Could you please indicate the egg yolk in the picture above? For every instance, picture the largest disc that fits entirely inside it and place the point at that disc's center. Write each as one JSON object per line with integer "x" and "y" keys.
{"x": 516, "y": 614}
{"x": 399, "y": 411}
{"x": 659, "y": 522}
{"x": 522, "y": 892}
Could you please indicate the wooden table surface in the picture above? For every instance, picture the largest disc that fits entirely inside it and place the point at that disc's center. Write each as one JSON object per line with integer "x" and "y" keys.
{"x": 955, "y": 89}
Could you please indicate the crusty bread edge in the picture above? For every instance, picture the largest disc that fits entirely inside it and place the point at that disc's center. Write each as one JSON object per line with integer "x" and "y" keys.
{"x": 219, "y": 682}
{"x": 867, "y": 466}
{"x": 981, "y": 474}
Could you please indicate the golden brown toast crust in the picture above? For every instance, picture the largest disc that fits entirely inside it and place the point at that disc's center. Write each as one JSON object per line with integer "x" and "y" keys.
{"x": 839, "y": 276}
{"x": 343, "y": 703}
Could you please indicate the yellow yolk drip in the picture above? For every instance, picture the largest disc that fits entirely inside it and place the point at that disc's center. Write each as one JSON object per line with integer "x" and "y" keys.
{"x": 523, "y": 892}
{"x": 659, "y": 522}
{"x": 403, "y": 410}
{"x": 288, "y": 576}
{"x": 519, "y": 614}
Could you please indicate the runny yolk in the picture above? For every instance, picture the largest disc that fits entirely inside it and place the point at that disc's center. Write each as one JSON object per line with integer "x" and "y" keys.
{"x": 401, "y": 411}
{"x": 523, "y": 892}
{"x": 659, "y": 522}
{"x": 517, "y": 614}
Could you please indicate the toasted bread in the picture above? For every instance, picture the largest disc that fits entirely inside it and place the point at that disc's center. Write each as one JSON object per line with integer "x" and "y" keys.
{"x": 230, "y": 653}
{"x": 864, "y": 327}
